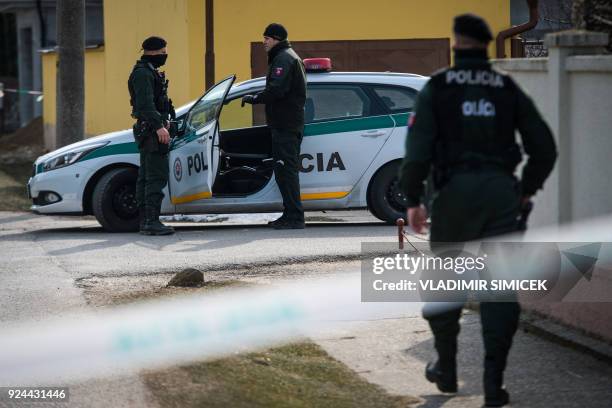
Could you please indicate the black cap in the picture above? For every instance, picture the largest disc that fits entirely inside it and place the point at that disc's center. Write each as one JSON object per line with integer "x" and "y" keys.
{"x": 473, "y": 26}
{"x": 153, "y": 44}
{"x": 276, "y": 31}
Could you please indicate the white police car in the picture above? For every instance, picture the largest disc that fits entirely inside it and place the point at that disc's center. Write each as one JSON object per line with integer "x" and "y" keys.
{"x": 221, "y": 160}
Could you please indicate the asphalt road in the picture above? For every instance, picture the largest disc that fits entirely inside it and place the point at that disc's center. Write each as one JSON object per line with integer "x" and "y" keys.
{"x": 42, "y": 258}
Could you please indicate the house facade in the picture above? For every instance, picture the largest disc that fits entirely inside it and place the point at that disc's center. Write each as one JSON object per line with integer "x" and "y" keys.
{"x": 387, "y": 35}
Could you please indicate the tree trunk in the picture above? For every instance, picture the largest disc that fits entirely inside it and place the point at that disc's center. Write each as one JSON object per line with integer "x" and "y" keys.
{"x": 70, "y": 98}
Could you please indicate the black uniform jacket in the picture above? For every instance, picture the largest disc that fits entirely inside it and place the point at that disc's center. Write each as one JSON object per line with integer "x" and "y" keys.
{"x": 146, "y": 88}
{"x": 466, "y": 119}
{"x": 285, "y": 92}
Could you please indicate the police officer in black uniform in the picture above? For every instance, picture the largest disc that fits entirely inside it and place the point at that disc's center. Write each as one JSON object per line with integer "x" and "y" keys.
{"x": 464, "y": 130}
{"x": 284, "y": 97}
{"x": 152, "y": 109}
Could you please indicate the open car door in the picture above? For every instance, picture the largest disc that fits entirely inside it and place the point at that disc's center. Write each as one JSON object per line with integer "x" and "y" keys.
{"x": 194, "y": 157}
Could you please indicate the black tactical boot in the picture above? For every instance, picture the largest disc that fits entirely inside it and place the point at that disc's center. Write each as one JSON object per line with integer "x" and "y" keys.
{"x": 446, "y": 381}
{"x": 497, "y": 399}
{"x": 289, "y": 224}
{"x": 277, "y": 221}
{"x": 152, "y": 224}
{"x": 141, "y": 218}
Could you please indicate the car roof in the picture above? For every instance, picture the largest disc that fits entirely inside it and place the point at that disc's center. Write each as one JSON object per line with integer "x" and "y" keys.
{"x": 383, "y": 78}
{"x": 380, "y": 78}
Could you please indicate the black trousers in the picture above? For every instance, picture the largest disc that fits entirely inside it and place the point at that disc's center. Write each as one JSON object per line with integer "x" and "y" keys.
{"x": 472, "y": 206}
{"x": 152, "y": 178}
{"x": 285, "y": 152}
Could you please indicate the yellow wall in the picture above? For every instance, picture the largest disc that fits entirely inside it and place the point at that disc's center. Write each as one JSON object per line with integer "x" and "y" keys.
{"x": 126, "y": 24}
{"x": 95, "y": 86}
{"x": 237, "y": 24}
{"x": 240, "y": 22}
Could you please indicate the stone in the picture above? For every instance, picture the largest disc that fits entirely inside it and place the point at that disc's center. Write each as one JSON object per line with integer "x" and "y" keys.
{"x": 187, "y": 278}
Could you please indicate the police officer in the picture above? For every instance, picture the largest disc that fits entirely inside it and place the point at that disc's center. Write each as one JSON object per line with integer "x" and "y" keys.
{"x": 284, "y": 97}
{"x": 464, "y": 130}
{"x": 152, "y": 109}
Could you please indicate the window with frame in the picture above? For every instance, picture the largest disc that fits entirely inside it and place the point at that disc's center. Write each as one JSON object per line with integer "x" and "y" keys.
{"x": 335, "y": 102}
{"x": 396, "y": 99}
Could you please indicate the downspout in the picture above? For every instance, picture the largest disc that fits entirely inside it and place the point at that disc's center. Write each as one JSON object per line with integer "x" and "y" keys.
{"x": 534, "y": 16}
{"x": 43, "y": 25}
{"x": 209, "y": 57}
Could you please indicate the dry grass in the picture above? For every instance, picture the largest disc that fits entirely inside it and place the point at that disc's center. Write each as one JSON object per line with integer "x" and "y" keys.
{"x": 13, "y": 179}
{"x": 294, "y": 375}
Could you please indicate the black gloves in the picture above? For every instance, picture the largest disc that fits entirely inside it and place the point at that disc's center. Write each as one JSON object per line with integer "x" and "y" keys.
{"x": 250, "y": 99}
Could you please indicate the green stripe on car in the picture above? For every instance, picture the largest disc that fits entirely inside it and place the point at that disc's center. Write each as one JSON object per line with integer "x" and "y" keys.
{"x": 348, "y": 125}
{"x": 311, "y": 129}
{"x": 112, "y": 149}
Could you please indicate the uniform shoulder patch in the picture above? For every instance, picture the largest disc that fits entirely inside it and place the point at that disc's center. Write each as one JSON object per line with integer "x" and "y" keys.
{"x": 278, "y": 71}
{"x": 411, "y": 120}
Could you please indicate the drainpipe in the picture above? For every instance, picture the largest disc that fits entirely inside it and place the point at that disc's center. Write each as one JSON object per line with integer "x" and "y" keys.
{"x": 209, "y": 58}
{"x": 534, "y": 16}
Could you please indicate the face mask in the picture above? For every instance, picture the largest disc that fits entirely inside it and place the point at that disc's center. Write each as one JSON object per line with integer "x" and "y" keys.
{"x": 156, "y": 60}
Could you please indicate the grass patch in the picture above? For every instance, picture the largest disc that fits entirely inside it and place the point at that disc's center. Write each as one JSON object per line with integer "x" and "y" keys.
{"x": 296, "y": 375}
{"x": 13, "y": 180}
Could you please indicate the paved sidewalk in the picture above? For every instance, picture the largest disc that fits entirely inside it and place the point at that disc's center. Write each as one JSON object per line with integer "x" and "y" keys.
{"x": 35, "y": 286}
{"x": 393, "y": 352}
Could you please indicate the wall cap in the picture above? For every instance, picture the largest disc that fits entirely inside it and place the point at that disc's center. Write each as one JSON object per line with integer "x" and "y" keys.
{"x": 589, "y": 63}
{"x": 521, "y": 64}
{"x": 576, "y": 38}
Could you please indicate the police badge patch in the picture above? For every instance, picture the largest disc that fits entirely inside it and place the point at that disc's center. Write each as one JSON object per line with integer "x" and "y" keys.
{"x": 278, "y": 71}
{"x": 178, "y": 169}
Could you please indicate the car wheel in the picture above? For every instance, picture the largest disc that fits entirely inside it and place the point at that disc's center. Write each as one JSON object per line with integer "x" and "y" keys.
{"x": 385, "y": 199}
{"x": 114, "y": 200}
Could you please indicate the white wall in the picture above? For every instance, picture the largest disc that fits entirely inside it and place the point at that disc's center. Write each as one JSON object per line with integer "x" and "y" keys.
{"x": 574, "y": 94}
{"x": 573, "y": 90}
{"x": 591, "y": 130}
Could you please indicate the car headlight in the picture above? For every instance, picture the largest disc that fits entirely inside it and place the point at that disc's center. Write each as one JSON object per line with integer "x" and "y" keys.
{"x": 71, "y": 156}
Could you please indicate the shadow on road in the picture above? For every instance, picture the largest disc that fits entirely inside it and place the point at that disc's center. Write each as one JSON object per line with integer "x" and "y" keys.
{"x": 192, "y": 238}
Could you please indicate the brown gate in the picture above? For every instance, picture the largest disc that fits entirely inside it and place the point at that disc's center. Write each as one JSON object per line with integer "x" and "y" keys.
{"x": 412, "y": 56}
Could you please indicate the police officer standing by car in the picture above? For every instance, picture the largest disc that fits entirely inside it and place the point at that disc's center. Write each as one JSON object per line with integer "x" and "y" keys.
{"x": 284, "y": 97}
{"x": 152, "y": 109}
{"x": 464, "y": 129}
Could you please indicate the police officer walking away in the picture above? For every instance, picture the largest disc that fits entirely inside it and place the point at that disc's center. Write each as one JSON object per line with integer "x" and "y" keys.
{"x": 464, "y": 129}
{"x": 284, "y": 97}
{"x": 152, "y": 109}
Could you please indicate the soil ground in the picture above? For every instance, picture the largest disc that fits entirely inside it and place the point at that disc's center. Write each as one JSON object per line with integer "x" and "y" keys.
{"x": 17, "y": 153}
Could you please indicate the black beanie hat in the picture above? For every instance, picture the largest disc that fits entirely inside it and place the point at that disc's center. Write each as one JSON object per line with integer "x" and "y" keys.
{"x": 276, "y": 31}
{"x": 473, "y": 26}
{"x": 153, "y": 44}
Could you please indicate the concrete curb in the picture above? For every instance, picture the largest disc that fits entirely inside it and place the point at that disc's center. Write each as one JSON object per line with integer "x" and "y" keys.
{"x": 566, "y": 336}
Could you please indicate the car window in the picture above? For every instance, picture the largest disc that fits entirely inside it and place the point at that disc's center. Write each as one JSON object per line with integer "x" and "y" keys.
{"x": 206, "y": 109}
{"x": 396, "y": 99}
{"x": 327, "y": 102}
{"x": 236, "y": 116}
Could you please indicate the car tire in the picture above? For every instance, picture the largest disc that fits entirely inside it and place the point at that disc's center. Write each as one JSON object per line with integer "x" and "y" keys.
{"x": 114, "y": 200}
{"x": 385, "y": 201}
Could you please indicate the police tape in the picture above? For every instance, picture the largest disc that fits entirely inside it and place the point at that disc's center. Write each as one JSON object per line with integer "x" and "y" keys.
{"x": 179, "y": 330}
{"x": 22, "y": 91}
{"x": 160, "y": 333}
{"x": 39, "y": 94}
